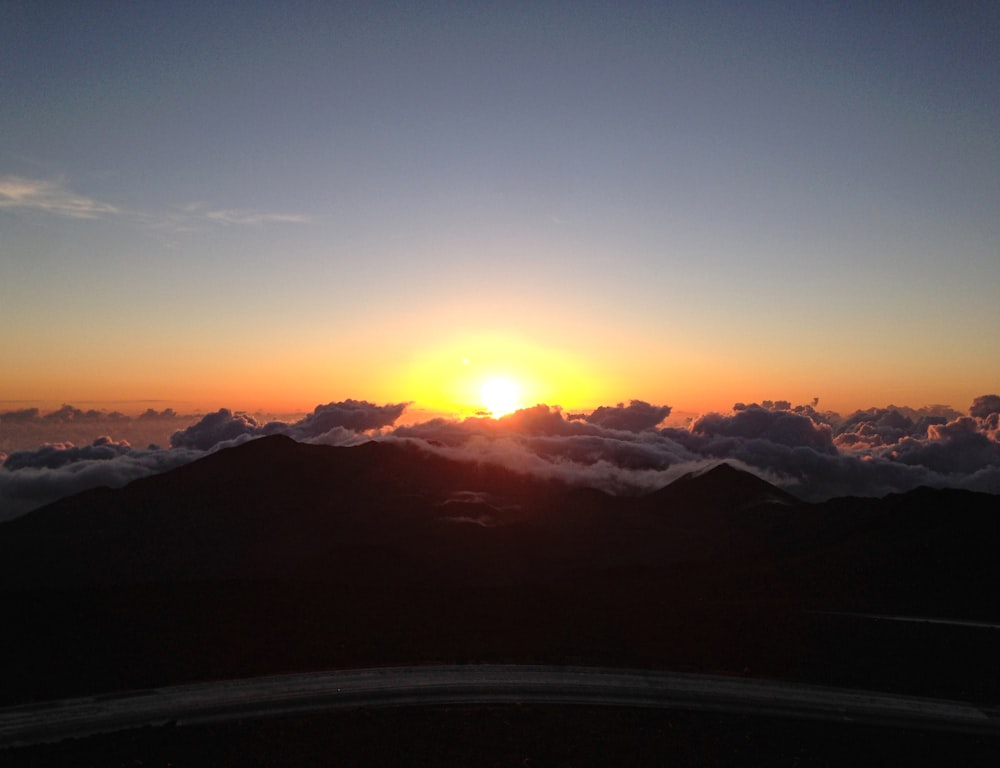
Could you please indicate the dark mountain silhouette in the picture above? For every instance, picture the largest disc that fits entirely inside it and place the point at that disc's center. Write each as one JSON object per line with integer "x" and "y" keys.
{"x": 722, "y": 487}
{"x": 276, "y": 556}
{"x": 275, "y": 508}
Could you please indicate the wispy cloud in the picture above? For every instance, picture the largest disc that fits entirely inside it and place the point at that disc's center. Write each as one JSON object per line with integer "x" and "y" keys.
{"x": 54, "y": 197}
{"x": 230, "y": 216}
{"x": 51, "y": 197}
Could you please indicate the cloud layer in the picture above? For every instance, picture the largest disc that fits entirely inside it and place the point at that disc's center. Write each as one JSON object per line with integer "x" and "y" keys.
{"x": 812, "y": 454}
{"x": 30, "y": 478}
{"x": 331, "y": 424}
{"x": 622, "y": 449}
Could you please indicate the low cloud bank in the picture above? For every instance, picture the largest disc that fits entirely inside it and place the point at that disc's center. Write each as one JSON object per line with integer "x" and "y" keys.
{"x": 27, "y": 428}
{"x": 816, "y": 455}
{"x": 31, "y": 478}
{"x": 55, "y": 455}
{"x": 332, "y": 424}
{"x": 622, "y": 449}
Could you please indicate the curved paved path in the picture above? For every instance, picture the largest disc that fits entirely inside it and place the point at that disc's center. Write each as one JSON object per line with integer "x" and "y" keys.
{"x": 478, "y": 684}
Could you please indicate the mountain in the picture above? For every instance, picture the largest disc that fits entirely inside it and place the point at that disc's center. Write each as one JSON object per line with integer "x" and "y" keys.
{"x": 722, "y": 487}
{"x": 272, "y": 508}
{"x": 276, "y": 555}
{"x": 275, "y": 508}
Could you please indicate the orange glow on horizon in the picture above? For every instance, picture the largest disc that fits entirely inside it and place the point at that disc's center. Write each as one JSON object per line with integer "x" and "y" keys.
{"x": 497, "y": 373}
{"x": 442, "y": 371}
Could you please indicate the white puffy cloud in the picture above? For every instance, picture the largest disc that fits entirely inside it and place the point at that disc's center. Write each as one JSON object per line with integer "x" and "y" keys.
{"x": 353, "y": 415}
{"x": 215, "y": 428}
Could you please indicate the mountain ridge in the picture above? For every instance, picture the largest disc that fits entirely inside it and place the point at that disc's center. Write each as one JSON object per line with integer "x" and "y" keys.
{"x": 274, "y": 507}
{"x": 276, "y": 555}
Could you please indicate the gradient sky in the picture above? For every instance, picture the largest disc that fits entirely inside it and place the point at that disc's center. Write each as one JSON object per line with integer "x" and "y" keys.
{"x": 272, "y": 205}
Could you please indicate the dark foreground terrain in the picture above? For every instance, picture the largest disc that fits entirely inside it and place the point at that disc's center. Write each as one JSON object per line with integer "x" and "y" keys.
{"x": 279, "y": 557}
{"x": 526, "y": 735}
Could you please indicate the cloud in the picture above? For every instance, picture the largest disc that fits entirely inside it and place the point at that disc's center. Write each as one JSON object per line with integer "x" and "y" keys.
{"x": 782, "y": 427}
{"x": 215, "y": 428}
{"x": 985, "y": 406}
{"x": 230, "y": 216}
{"x": 65, "y": 414}
{"x": 354, "y": 415}
{"x": 541, "y": 440}
{"x": 21, "y": 416}
{"x": 27, "y": 428}
{"x": 69, "y": 413}
{"x": 56, "y": 455}
{"x": 620, "y": 449}
{"x": 193, "y": 214}
{"x": 55, "y": 198}
{"x": 332, "y": 423}
{"x": 792, "y": 447}
{"x": 637, "y": 416}
{"x": 811, "y": 474}
{"x": 29, "y": 487}
{"x": 958, "y": 447}
{"x": 51, "y": 197}
{"x": 151, "y": 414}
{"x": 30, "y": 478}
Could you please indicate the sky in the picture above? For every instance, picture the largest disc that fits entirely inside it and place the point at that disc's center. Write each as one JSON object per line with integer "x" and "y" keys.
{"x": 265, "y": 206}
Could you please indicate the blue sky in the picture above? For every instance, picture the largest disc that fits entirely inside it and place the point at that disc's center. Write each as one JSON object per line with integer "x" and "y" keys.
{"x": 277, "y": 204}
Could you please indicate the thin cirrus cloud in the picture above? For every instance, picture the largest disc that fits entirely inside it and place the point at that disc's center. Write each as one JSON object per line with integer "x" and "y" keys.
{"x": 57, "y": 199}
{"x": 621, "y": 449}
{"x": 51, "y": 197}
{"x": 229, "y": 216}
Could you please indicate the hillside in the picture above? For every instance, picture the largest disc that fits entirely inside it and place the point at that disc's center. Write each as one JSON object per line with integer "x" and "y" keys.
{"x": 279, "y": 556}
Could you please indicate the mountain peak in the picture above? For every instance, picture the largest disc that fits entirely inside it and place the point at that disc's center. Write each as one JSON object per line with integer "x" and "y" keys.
{"x": 722, "y": 486}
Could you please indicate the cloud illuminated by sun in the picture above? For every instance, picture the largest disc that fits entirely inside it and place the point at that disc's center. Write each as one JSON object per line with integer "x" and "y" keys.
{"x": 500, "y": 396}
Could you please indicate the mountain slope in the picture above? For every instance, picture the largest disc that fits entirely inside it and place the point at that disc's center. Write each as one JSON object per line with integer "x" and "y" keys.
{"x": 268, "y": 508}
{"x": 721, "y": 488}
{"x": 275, "y": 555}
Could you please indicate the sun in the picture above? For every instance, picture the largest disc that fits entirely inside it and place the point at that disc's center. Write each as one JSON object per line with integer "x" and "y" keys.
{"x": 500, "y": 396}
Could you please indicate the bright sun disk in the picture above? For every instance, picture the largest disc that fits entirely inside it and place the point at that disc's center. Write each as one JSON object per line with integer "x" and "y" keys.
{"x": 500, "y": 396}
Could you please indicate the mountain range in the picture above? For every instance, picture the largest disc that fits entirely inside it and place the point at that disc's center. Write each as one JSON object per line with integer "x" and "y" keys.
{"x": 278, "y": 556}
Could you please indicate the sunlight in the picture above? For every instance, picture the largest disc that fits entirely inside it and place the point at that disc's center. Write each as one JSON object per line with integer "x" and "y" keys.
{"x": 461, "y": 375}
{"x": 500, "y": 396}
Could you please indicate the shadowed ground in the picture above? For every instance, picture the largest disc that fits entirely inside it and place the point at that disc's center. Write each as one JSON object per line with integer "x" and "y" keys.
{"x": 280, "y": 557}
